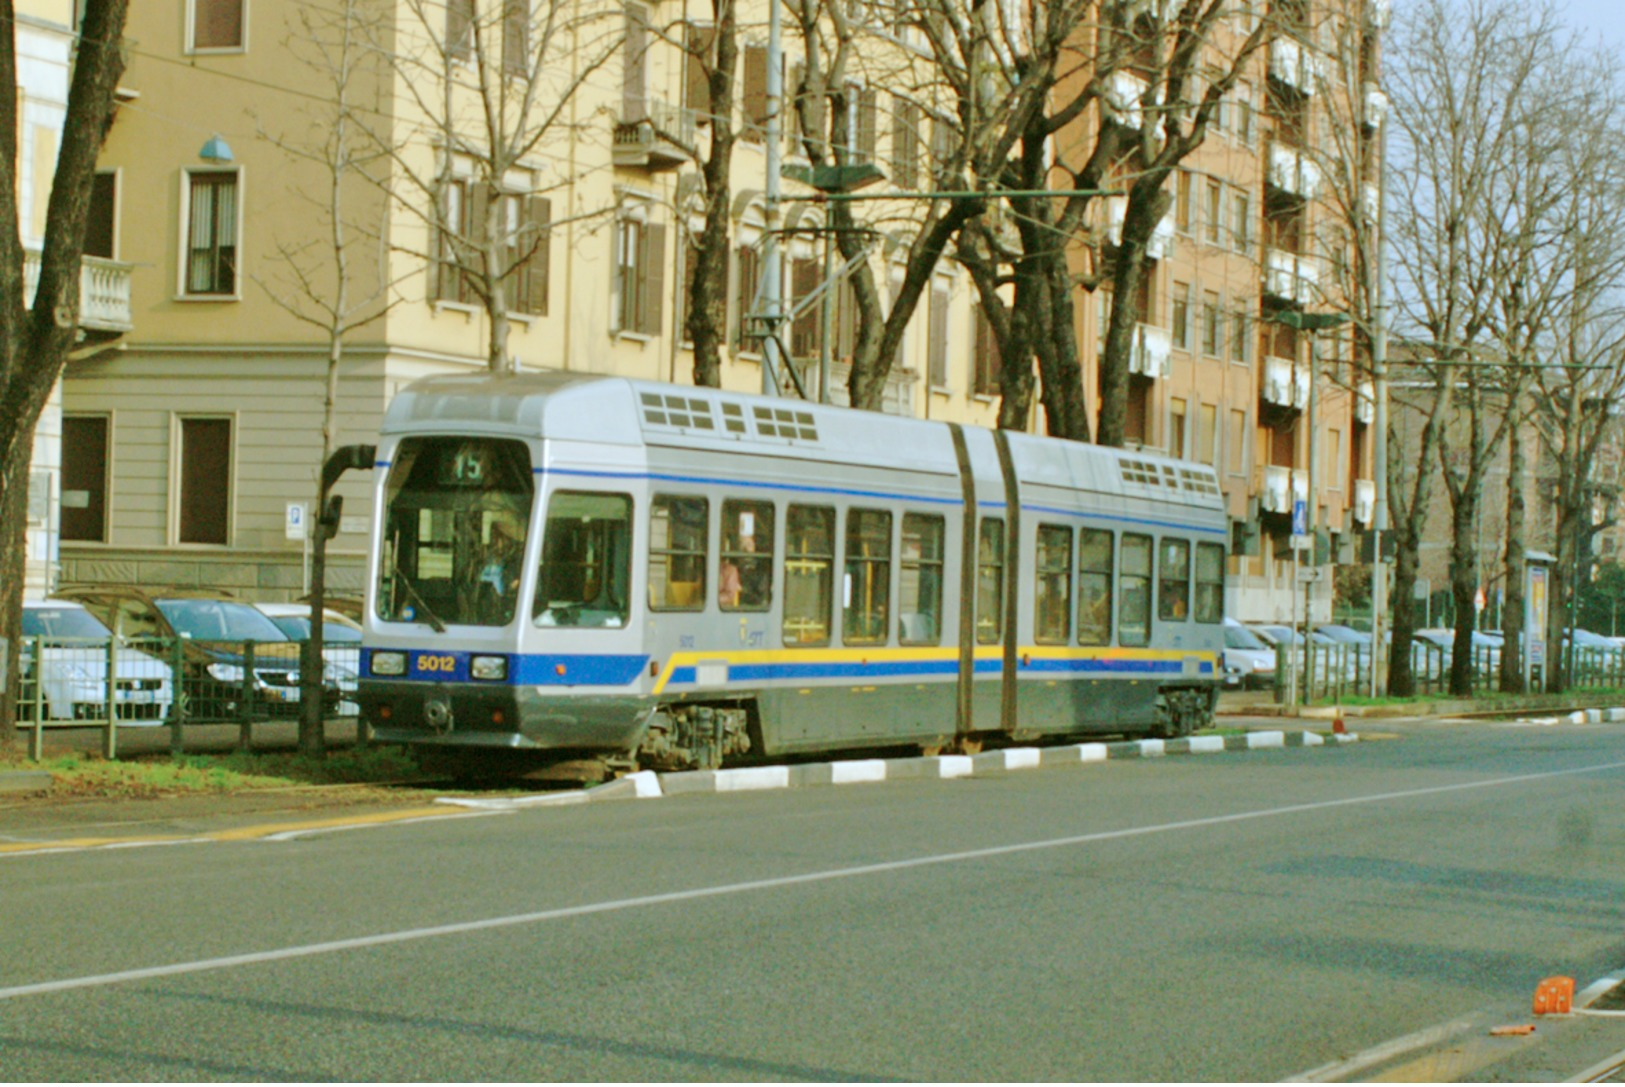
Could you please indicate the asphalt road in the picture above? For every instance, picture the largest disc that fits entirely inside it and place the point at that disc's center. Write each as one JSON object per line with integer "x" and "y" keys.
{"x": 1240, "y": 916}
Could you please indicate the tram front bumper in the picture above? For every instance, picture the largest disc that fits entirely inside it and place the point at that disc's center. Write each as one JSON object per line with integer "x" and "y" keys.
{"x": 486, "y": 715}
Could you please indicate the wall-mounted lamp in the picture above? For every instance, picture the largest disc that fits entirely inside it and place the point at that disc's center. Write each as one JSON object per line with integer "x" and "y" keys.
{"x": 215, "y": 149}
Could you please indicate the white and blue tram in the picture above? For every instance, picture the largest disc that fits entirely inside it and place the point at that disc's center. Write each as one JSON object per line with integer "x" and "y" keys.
{"x": 568, "y": 566}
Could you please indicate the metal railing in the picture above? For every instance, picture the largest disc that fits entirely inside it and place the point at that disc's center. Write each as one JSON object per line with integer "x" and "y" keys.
{"x": 173, "y": 683}
{"x": 1331, "y": 673}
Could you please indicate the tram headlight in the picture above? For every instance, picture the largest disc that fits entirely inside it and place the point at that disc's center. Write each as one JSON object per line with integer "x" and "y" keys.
{"x": 488, "y": 668}
{"x": 388, "y": 663}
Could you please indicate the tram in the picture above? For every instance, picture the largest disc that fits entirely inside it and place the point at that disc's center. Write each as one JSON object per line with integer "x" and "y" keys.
{"x": 566, "y": 566}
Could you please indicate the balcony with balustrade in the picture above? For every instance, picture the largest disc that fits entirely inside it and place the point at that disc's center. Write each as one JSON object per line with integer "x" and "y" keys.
{"x": 104, "y": 295}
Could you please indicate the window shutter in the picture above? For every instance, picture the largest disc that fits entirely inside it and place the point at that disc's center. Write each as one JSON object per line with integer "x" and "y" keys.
{"x": 653, "y": 271}
{"x": 938, "y": 346}
{"x": 634, "y": 89}
{"x": 473, "y": 253}
{"x": 700, "y": 50}
{"x": 217, "y": 24}
{"x": 538, "y": 266}
{"x": 755, "y": 93}
{"x": 459, "y": 28}
{"x": 868, "y": 107}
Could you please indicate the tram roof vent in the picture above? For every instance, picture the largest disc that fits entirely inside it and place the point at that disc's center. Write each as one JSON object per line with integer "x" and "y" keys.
{"x": 786, "y": 423}
{"x": 678, "y": 411}
{"x": 1146, "y": 473}
{"x": 1198, "y": 482}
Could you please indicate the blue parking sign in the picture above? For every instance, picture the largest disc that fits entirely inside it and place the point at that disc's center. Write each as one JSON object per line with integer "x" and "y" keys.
{"x": 1300, "y": 517}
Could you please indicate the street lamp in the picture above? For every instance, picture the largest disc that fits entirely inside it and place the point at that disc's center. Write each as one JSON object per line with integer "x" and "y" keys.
{"x": 1310, "y": 323}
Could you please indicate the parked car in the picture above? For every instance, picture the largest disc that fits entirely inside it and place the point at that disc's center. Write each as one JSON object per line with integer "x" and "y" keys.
{"x": 212, "y": 629}
{"x": 65, "y": 655}
{"x": 341, "y": 645}
{"x": 1248, "y": 661}
{"x": 1486, "y": 647}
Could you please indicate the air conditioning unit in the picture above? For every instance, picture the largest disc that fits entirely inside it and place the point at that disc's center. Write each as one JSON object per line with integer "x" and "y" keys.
{"x": 1365, "y": 500}
{"x": 1300, "y": 387}
{"x": 1278, "y": 381}
{"x": 1365, "y": 402}
{"x": 1276, "y": 496}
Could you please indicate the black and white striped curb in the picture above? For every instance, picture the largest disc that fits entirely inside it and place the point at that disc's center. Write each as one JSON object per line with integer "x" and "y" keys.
{"x": 1578, "y": 717}
{"x": 646, "y": 784}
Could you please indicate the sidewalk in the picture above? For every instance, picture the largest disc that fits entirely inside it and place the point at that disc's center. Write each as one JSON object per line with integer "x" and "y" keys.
{"x": 1260, "y": 704}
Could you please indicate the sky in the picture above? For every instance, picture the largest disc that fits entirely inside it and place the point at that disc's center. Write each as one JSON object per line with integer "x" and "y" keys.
{"x": 1606, "y": 17}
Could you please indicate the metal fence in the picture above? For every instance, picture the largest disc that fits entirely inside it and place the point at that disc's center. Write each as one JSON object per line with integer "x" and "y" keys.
{"x": 173, "y": 683}
{"x": 1331, "y": 673}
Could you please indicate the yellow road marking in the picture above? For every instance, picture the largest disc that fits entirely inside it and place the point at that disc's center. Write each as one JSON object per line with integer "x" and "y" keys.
{"x": 237, "y": 834}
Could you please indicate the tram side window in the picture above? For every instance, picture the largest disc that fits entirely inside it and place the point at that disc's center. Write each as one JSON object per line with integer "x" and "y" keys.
{"x": 586, "y": 572}
{"x": 809, "y": 565}
{"x": 1052, "y": 601}
{"x": 678, "y": 525}
{"x": 1209, "y": 583}
{"x": 1134, "y": 591}
{"x": 919, "y": 593}
{"x": 990, "y": 581}
{"x": 1174, "y": 581}
{"x": 745, "y": 580}
{"x": 866, "y": 591}
{"x": 1094, "y": 586}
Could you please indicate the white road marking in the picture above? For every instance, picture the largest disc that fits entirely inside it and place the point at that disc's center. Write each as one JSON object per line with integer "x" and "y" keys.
{"x": 383, "y": 939}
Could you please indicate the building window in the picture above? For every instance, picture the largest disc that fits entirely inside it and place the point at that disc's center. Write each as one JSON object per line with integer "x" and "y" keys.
{"x": 754, "y": 98}
{"x": 85, "y": 458}
{"x": 1207, "y": 425}
{"x": 634, "y": 78}
{"x": 1094, "y": 586}
{"x": 1176, "y": 427}
{"x": 450, "y": 277}
{"x": 1211, "y": 324}
{"x": 1182, "y": 316}
{"x": 101, "y": 230}
{"x": 1182, "y": 203}
{"x": 990, "y": 581}
{"x": 866, "y": 590}
{"x": 1241, "y": 228}
{"x": 1215, "y": 212}
{"x": 806, "y": 330}
{"x": 919, "y": 590}
{"x": 204, "y": 481}
{"x": 1241, "y": 336}
{"x": 211, "y": 233}
{"x": 217, "y": 24}
{"x": 640, "y": 258}
{"x": 678, "y": 525}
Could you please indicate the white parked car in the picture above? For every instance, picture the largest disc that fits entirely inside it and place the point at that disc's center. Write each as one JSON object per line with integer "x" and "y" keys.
{"x": 1248, "y": 661}
{"x": 341, "y": 646}
{"x": 71, "y": 669}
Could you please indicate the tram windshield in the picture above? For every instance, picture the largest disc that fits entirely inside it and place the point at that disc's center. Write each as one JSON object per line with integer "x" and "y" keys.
{"x": 455, "y": 517}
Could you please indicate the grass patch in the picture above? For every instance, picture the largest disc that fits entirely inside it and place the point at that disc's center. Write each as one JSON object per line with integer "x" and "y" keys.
{"x": 81, "y": 775}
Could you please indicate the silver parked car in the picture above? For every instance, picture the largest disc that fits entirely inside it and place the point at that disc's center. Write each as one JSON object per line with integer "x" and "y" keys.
{"x": 65, "y": 655}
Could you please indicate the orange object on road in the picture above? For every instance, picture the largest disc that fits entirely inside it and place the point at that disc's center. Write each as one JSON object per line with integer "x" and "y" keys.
{"x": 1554, "y": 996}
{"x": 1507, "y": 1032}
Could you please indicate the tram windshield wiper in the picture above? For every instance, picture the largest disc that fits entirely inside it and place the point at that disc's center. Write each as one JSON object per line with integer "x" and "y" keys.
{"x": 428, "y": 613}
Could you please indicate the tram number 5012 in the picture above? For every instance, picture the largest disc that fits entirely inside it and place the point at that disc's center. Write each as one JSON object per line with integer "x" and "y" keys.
{"x": 436, "y": 662}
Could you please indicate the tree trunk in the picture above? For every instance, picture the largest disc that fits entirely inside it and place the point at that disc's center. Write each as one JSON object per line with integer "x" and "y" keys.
{"x": 1402, "y": 614}
{"x": 1464, "y": 590}
{"x": 708, "y": 293}
{"x": 1512, "y": 597}
{"x": 1145, "y": 209}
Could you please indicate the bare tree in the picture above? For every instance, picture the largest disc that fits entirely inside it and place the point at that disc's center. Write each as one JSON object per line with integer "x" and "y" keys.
{"x": 36, "y": 335}
{"x": 1449, "y": 87}
{"x": 483, "y": 87}
{"x": 318, "y": 276}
